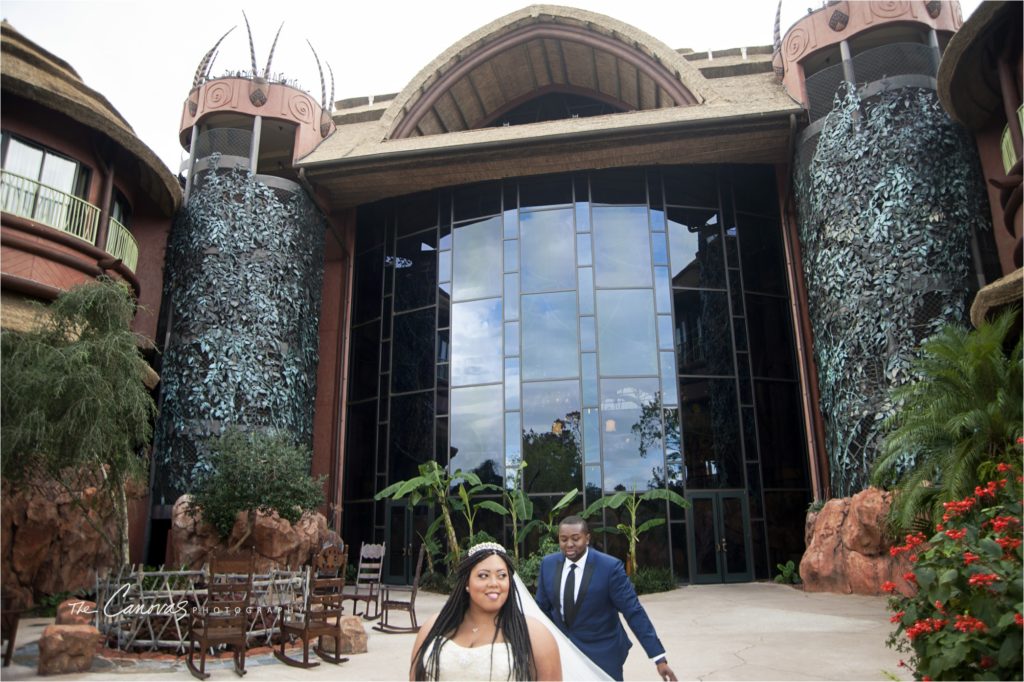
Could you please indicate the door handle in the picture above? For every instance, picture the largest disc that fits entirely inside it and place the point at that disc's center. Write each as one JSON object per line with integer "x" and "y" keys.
{"x": 724, "y": 546}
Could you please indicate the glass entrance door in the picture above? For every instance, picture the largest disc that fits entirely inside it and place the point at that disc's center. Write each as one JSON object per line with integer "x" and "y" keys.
{"x": 719, "y": 537}
{"x": 405, "y": 526}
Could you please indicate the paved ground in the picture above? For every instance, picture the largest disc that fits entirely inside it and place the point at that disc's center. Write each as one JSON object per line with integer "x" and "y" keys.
{"x": 752, "y": 631}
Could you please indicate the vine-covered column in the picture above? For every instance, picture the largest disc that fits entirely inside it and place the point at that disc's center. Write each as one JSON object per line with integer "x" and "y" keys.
{"x": 244, "y": 276}
{"x": 887, "y": 207}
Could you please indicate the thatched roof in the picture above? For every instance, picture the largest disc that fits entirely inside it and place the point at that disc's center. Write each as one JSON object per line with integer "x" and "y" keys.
{"x": 33, "y": 73}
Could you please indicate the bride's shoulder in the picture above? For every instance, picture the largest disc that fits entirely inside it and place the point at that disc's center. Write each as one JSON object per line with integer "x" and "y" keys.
{"x": 538, "y": 631}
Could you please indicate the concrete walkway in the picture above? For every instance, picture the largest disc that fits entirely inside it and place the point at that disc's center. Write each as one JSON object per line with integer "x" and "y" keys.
{"x": 751, "y": 631}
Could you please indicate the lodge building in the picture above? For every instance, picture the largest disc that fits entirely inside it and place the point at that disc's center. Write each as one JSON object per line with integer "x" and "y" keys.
{"x": 563, "y": 243}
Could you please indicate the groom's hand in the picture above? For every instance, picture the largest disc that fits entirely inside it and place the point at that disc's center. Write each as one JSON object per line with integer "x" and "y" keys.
{"x": 666, "y": 672}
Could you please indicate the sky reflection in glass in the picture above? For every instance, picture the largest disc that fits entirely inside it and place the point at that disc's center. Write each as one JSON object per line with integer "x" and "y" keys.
{"x": 476, "y": 342}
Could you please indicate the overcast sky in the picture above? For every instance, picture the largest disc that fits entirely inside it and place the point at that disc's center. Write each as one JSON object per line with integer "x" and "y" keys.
{"x": 143, "y": 55}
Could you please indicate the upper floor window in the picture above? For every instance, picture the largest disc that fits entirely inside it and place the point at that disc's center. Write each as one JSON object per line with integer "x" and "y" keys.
{"x": 44, "y": 166}
{"x": 42, "y": 185}
{"x": 120, "y": 209}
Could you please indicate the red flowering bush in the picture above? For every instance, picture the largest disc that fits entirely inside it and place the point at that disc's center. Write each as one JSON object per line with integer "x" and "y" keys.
{"x": 965, "y": 622}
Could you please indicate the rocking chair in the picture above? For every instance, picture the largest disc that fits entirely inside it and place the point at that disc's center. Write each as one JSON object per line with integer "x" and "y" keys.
{"x": 368, "y": 577}
{"x": 320, "y": 614}
{"x": 223, "y": 620}
{"x": 392, "y": 600}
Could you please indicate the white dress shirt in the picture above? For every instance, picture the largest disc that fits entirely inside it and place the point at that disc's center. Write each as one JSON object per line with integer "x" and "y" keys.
{"x": 580, "y": 563}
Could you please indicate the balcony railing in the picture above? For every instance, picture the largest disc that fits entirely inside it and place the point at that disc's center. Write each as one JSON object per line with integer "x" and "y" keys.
{"x": 36, "y": 201}
{"x": 33, "y": 200}
{"x": 121, "y": 244}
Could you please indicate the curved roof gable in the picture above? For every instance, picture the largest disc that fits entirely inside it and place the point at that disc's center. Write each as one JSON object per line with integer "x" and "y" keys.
{"x": 34, "y": 73}
{"x": 539, "y": 49}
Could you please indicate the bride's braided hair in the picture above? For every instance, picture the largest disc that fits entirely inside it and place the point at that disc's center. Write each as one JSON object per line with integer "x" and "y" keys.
{"x": 510, "y": 621}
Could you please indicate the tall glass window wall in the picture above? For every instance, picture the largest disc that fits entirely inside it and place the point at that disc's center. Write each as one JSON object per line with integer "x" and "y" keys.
{"x": 614, "y": 331}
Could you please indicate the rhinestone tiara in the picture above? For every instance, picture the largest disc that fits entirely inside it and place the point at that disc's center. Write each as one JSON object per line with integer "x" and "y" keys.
{"x": 483, "y": 546}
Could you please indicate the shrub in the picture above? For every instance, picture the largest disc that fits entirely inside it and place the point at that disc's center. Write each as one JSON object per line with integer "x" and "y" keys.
{"x": 789, "y": 574}
{"x": 529, "y": 566}
{"x": 964, "y": 408}
{"x": 964, "y": 622}
{"x": 254, "y": 472}
{"x": 649, "y": 579}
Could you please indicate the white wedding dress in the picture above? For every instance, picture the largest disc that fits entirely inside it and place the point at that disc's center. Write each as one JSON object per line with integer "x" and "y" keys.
{"x": 576, "y": 667}
{"x": 479, "y": 664}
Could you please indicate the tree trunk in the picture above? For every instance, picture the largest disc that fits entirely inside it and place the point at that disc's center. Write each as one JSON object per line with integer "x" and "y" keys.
{"x": 121, "y": 516}
{"x": 250, "y": 519}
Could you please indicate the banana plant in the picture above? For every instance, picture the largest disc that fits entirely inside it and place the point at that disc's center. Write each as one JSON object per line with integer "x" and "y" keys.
{"x": 463, "y": 500}
{"x": 519, "y": 508}
{"x": 632, "y": 503}
{"x": 433, "y": 485}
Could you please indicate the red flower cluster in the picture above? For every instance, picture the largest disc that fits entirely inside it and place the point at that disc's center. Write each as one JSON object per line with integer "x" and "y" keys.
{"x": 982, "y": 579}
{"x": 896, "y": 617}
{"x": 970, "y": 558}
{"x": 1019, "y": 620}
{"x": 912, "y": 541}
{"x": 1002, "y": 524}
{"x": 954, "y": 509}
{"x": 968, "y": 624}
{"x": 990, "y": 488}
{"x": 889, "y": 586}
{"x": 925, "y": 625}
{"x": 910, "y": 577}
{"x": 956, "y": 534}
{"x": 1008, "y": 544}
{"x": 1003, "y": 467}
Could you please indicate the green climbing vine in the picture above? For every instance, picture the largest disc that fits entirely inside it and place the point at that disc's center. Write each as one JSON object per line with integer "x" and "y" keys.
{"x": 244, "y": 277}
{"x": 887, "y": 206}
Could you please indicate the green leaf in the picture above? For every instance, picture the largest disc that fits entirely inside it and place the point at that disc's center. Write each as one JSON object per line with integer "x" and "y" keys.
{"x": 493, "y": 506}
{"x": 649, "y": 524}
{"x": 949, "y": 576}
{"x": 925, "y": 577}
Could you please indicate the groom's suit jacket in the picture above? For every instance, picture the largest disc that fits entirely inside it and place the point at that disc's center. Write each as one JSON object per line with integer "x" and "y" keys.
{"x": 605, "y": 592}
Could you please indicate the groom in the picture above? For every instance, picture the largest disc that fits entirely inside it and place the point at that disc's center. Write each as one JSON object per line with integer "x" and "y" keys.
{"x": 583, "y": 591}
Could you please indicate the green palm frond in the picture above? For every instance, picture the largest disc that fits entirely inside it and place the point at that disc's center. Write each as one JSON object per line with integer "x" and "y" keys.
{"x": 964, "y": 409}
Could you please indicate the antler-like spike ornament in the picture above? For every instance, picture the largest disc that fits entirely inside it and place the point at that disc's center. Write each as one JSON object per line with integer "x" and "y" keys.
{"x": 252, "y": 47}
{"x": 207, "y": 60}
{"x": 270, "y": 57}
{"x": 323, "y": 85}
{"x": 330, "y": 102}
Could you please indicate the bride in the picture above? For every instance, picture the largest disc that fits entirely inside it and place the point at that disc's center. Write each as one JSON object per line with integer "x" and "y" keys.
{"x": 481, "y": 634}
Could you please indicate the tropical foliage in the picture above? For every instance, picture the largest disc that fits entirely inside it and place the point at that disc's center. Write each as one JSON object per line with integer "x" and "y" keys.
{"x": 75, "y": 411}
{"x": 963, "y": 409}
{"x": 962, "y": 620}
{"x": 632, "y": 503}
{"x": 433, "y": 486}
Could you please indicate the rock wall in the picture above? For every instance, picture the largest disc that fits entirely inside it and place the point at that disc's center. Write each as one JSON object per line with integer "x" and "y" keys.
{"x": 278, "y": 543}
{"x": 48, "y": 546}
{"x": 847, "y": 548}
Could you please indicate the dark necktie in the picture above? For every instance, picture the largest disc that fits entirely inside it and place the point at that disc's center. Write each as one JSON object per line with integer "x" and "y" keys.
{"x": 569, "y": 596}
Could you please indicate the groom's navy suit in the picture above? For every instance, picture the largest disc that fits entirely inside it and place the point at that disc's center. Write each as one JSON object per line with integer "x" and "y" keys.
{"x": 604, "y": 592}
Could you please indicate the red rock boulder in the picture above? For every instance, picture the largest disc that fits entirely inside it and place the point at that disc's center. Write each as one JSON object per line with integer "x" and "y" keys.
{"x": 67, "y": 649}
{"x": 847, "y": 549}
{"x": 278, "y": 543}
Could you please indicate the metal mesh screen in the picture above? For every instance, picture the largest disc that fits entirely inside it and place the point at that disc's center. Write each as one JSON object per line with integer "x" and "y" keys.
{"x": 897, "y": 59}
{"x": 821, "y": 90}
{"x": 226, "y": 141}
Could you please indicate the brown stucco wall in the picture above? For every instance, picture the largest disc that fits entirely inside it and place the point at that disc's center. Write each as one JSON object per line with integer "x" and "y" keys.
{"x": 328, "y": 442}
